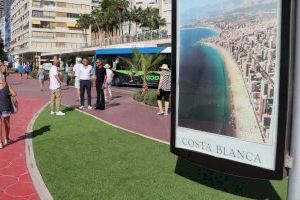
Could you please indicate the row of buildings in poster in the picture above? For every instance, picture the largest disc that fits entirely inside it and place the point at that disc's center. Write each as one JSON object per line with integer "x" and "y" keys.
{"x": 252, "y": 44}
{"x": 32, "y": 27}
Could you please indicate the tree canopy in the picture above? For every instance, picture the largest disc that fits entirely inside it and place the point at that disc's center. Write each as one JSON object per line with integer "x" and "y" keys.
{"x": 112, "y": 16}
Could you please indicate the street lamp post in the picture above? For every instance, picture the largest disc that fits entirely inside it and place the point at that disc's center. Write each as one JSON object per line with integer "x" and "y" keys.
{"x": 294, "y": 175}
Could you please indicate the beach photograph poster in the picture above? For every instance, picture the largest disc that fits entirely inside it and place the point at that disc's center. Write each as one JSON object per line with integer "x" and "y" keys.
{"x": 228, "y": 73}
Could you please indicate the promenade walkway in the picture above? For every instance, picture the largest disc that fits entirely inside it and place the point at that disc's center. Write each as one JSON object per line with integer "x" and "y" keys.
{"x": 123, "y": 111}
{"x": 15, "y": 181}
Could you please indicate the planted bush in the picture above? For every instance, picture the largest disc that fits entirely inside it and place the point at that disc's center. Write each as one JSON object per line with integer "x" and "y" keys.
{"x": 138, "y": 96}
{"x": 150, "y": 98}
{"x": 33, "y": 74}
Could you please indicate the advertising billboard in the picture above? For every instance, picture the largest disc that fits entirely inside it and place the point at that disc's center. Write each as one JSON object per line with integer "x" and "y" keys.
{"x": 231, "y": 80}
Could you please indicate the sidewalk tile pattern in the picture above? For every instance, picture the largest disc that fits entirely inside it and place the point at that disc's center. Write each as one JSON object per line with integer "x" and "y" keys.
{"x": 15, "y": 181}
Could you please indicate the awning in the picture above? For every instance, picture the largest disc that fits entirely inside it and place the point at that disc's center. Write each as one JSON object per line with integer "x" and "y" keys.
{"x": 124, "y": 51}
{"x": 71, "y": 24}
{"x": 36, "y": 22}
{"x": 167, "y": 50}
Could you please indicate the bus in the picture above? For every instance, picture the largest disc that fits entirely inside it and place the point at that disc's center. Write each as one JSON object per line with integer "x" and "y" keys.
{"x": 123, "y": 75}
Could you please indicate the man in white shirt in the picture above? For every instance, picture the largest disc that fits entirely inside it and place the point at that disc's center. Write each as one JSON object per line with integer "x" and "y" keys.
{"x": 85, "y": 77}
{"x": 77, "y": 81}
{"x": 55, "y": 88}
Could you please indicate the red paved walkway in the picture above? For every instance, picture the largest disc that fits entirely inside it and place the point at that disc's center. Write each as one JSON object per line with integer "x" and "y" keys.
{"x": 15, "y": 181}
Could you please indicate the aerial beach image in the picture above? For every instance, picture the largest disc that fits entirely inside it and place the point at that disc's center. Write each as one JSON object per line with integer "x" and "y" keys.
{"x": 227, "y": 67}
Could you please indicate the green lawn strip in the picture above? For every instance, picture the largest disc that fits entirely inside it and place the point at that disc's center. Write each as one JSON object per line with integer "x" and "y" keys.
{"x": 80, "y": 157}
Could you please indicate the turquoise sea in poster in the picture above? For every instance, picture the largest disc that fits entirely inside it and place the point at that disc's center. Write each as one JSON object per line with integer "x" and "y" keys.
{"x": 203, "y": 98}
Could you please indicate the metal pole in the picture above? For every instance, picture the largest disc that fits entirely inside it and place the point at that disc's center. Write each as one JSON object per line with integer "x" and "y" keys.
{"x": 294, "y": 174}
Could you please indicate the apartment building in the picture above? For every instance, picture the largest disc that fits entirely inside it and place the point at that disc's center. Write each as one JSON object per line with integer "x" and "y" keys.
{"x": 7, "y": 24}
{"x": 1, "y": 8}
{"x": 2, "y": 28}
{"x": 96, "y": 4}
{"x": 165, "y": 10}
{"x": 42, "y": 26}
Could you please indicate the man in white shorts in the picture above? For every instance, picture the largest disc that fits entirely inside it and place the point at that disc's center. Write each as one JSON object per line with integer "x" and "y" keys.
{"x": 76, "y": 74}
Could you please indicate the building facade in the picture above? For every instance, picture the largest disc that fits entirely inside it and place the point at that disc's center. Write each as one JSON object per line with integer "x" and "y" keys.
{"x": 165, "y": 10}
{"x": 7, "y": 25}
{"x": 96, "y": 4}
{"x": 2, "y": 28}
{"x": 39, "y": 26}
{"x": 2, "y": 8}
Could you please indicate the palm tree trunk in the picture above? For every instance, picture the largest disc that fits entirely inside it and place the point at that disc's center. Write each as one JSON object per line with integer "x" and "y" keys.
{"x": 84, "y": 36}
{"x": 145, "y": 85}
{"x": 98, "y": 27}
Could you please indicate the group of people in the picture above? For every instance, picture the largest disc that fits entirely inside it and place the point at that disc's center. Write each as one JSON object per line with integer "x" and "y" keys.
{"x": 24, "y": 69}
{"x": 6, "y": 93}
{"x": 101, "y": 77}
{"x": 85, "y": 78}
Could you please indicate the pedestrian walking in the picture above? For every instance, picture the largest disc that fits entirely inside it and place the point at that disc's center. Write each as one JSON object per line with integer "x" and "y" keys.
{"x": 108, "y": 82}
{"x": 85, "y": 77}
{"x": 100, "y": 78}
{"x": 27, "y": 70}
{"x": 6, "y": 92}
{"x": 75, "y": 71}
{"x": 164, "y": 90}
{"x": 20, "y": 71}
{"x": 55, "y": 88}
{"x": 41, "y": 76}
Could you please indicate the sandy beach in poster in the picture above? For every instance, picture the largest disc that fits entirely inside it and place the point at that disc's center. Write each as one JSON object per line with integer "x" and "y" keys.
{"x": 246, "y": 124}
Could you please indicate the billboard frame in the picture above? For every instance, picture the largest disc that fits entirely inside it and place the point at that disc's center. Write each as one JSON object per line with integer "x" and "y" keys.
{"x": 284, "y": 107}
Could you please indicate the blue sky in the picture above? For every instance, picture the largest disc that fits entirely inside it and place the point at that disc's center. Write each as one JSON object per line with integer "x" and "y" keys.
{"x": 195, "y": 9}
{"x": 190, "y": 4}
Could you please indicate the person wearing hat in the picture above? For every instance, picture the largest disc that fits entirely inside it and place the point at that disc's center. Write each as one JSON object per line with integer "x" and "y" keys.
{"x": 41, "y": 76}
{"x": 164, "y": 90}
{"x": 109, "y": 78}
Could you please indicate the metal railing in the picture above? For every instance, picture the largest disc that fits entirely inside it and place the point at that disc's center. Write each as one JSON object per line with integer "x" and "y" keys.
{"x": 140, "y": 37}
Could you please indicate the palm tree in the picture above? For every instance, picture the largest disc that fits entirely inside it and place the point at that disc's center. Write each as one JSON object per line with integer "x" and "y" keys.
{"x": 144, "y": 63}
{"x": 84, "y": 21}
{"x": 151, "y": 19}
{"x": 122, "y": 7}
{"x": 111, "y": 16}
{"x": 137, "y": 17}
{"x": 97, "y": 18}
{"x": 148, "y": 62}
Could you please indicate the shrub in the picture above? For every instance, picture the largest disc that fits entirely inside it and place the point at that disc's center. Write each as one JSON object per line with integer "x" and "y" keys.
{"x": 138, "y": 96}
{"x": 150, "y": 98}
{"x": 33, "y": 74}
{"x": 71, "y": 81}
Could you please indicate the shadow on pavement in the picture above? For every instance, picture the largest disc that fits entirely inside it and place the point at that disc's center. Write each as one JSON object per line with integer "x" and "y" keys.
{"x": 68, "y": 109}
{"x": 39, "y": 132}
{"x": 116, "y": 97}
{"x": 33, "y": 134}
{"x": 111, "y": 105}
{"x": 249, "y": 188}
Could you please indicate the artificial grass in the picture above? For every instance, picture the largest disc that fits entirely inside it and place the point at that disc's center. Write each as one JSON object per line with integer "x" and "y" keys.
{"x": 80, "y": 157}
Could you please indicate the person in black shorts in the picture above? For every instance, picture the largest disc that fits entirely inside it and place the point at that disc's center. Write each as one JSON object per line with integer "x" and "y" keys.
{"x": 164, "y": 90}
